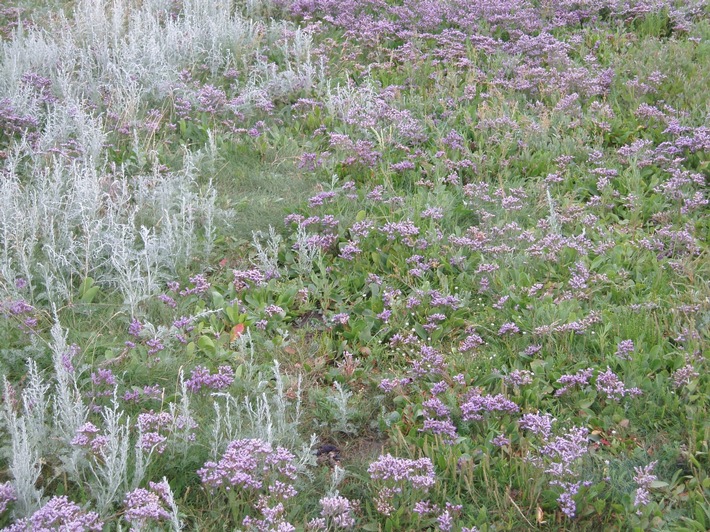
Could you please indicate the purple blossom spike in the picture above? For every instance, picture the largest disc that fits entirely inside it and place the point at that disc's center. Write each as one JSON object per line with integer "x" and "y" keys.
{"x": 7, "y": 495}
{"x": 59, "y": 514}
{"x": 244, "y": 465}
{"x": 477, "y": 405}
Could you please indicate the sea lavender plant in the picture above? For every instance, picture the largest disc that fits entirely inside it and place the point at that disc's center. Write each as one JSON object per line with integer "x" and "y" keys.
{"x": 400, "y": 481}
{"x": 145, "y": 507}
{"x": 253, "y": 474}
{"x": 337, "y": 513}
{"x": 644, "y": 478}
{"x": 59, "y": 513}
{"x": 7, "y": 496}
{"x": 558, "y": 457}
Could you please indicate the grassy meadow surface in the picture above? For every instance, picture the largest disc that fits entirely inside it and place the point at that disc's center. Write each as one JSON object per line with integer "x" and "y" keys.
{"x": 354, "y": 265}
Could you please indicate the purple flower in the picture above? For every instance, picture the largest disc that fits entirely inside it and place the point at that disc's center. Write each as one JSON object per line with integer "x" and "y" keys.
{"x": 581, "y": 379}
{"x": 476, "y": 405}
{"x": 202, "y": 378}
{"x": 155, "y": 346}
{"x": 87, "y": 436}
{"x": 135, "y": 328}
{"x": 472, "y": 341}
{"x": 246, "y": 463}
{"x": 519, "y": 377}
{"x": 341, "y": 318}
{"x": 145, "y": 506}
{"x": 644, "y": 478}
{"x": 500, "y": 441}
{"x": 684, "y": 375}
{"x": 563, "y": 451}
{"x": 418, "y": 473}
{"x": 7, "y": 495}
{"x": 169, "y": 301}
{"x": 508, "y": 328}
{"x": 430, "y": 362}
{"x": 241, "y": 277}
{"x": 388, "y": 385}
{"x": 321, "y": 198}
{"x": 540, "y": 425}
{"x": 610, "y": 385}
{"x": 435, "y": 213}
{"x": 337, "y": 511}
{"x": 103, "y": 377}
{"x": 436, "y": 407}
{"x": 59, "y": 514}
{"x": 200, "y": 286}
{"x": 446, "y": 519}
{"x": 405, "y": 228}
{"x": 624, "y": 349}
{"x": 532, "y": 349}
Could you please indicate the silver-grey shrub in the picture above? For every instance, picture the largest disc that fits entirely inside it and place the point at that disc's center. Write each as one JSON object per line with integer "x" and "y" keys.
{"x": 66, "y": 216}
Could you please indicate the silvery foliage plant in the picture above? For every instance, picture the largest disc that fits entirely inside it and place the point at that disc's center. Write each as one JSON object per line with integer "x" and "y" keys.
{"x": 66, "y": 211}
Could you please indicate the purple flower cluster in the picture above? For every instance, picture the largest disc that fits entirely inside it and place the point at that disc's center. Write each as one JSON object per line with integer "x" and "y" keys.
{"x": 437, "y": 420}
{"x": 336, "y": 513}
{"x": 395, "y": 475}
{"x": 581, "y": 379}
{"x": 419, "y": 473}
{"x": 200, "y": 377}
{"x": 476, "y": 405}
{"x": 429, "y": 362}
{"x": 558, "y": 457}
{"x": 508, "y": 328}
{"x": 89, "y": 437}
{"x": 563, "y": 451}
{"x": 155, "y": 427}
{"x": 644, "y": 478}
{"x": 540, "y": 425}
{"x": 684, "y": 375}
{"x": 242, "y": 278}
{"x": 59, "y": 514}
{"x": 273, "y": 518}
{"x": 18, "y": 307}
{"x": 405, "y": 229}
{"x": 104, "y": 383}
{"x": 7, "y": 495}
{"x": 321, "y": 198}
{"x": 200, "y": 286}
{"x": 247, "y": 465}
{"x": 519, "y": 377}
{"x": 609, "y": 384}
{"x": 471, "y": 342}
{"x": 624, "y": 349}
{"x": 144, "y": 394}
{"x": 152, "y": 425}
{"x": 146, "y": 506}
{"x": 388, "y": 385}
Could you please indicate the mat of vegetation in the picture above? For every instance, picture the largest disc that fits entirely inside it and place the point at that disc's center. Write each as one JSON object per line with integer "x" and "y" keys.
{"x": 354, "y": 265}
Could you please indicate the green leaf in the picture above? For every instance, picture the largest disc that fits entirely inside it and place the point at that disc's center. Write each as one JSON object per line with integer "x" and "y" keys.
{"x": 89, "y": 295}
{"x": 206, "y": 344}
{"x": 659, "y": 484}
